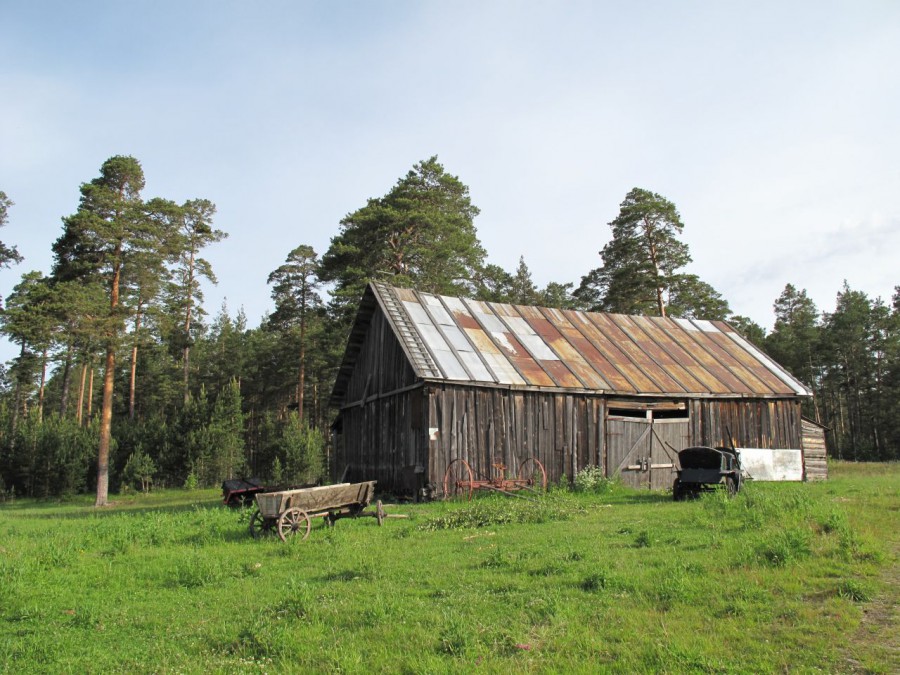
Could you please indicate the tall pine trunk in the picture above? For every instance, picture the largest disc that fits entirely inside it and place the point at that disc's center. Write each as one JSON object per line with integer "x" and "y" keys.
{"x": 108, "y": 382}
{"x": 90, "y": 396}
{"x": 131, "y": 387}
{"x": 187, "y": 328}
{"x": 134, "y": 355}
{"x": 17, "y": 401}
{"x": 67, "y": 379}
{"x": 80, "y": 407}
{"x": 43, "y": 385}
{"x": 105, "y": 428}
{"x": 302, "y": 368}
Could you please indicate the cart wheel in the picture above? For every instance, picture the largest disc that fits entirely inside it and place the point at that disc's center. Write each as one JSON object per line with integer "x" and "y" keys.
{"x": 731, "y": 486}
{"x": 532, "y": 469}
{"x": 259, "y": 526}
{"x": 458, "y": 479}
{"x": 293, "y": 521}
{"x": 379, "y": 512}
{"x": 677, "y": 492}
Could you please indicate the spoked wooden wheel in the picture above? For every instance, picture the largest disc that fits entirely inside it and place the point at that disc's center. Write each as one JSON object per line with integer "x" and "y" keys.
{"x": 259, "y": 526}
{"x": 458, "y": 479}
{"x": 293, "y": 521}
{"x": 532, "y": 470}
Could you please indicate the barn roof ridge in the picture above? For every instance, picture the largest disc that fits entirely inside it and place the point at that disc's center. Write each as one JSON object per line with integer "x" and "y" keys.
{"x": 467, "y": 341}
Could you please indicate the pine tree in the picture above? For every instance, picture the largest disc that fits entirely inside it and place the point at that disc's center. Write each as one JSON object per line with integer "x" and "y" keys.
{"x": 294, "y": 287}
{"x": 100, "y": 240}
{"x": 793, "y": 340}
{"x": 8, "y": 254}
{"x": 226, "y": 435}
{"x": 194, "y": 231}
{"x": 420, "y": 234}
{"x": 642, "y": 263}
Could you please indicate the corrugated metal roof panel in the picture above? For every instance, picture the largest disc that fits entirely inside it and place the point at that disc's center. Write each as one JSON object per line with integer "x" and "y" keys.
{"x": 567, "y": 351}
{"x": 476, "y": 366}
{"x": 657, "y": 327}
{"x": 707, "y": 361}
{"x": 641, "y": 330}
{"x": 747, "y": 382}
{"x": 403, "y": 294}
{"x": 495, "y": 367}
{"x": 451, "y": 366}
{"x": 503, "y": 369}
{"x": 748, "y": 363}
{"x": 436, "y": 307}
{"x": 642, "y": 359}
{"x": 417, "y": 313}
{"x": 456, "y": 338}
{"x": 599, "y": 363}
{"x": 518, "y": 355}
{"x": 531, "y": 346}
{"x": 795, "y": 384}
{"x": 637, "y": 382}
{"x": 489, "y": 322}
{"x": 537, "y": 347}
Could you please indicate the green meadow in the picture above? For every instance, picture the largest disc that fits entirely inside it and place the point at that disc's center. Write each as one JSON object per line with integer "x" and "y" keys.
{"x": 784, "y": 577}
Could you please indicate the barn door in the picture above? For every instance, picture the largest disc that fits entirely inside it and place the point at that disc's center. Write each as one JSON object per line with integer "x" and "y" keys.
{"x": 669, "y": 436}
{"x": 627, "y": 442}
{"x": 644, "y": 451}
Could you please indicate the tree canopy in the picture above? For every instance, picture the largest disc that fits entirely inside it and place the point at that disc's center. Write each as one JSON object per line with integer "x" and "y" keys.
{"x": 420, "y": 234}
{"x": 8, "y": 254}
{"x": 642, "y": 265}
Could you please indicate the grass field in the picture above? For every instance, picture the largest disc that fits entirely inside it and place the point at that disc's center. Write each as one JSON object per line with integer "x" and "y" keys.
{"x": 785, "y": 577}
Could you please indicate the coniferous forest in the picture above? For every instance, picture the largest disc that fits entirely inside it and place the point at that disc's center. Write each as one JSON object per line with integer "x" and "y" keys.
{"x": 125, "y": 380}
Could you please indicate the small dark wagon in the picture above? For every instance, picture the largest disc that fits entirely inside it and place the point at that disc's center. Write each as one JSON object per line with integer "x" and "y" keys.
{"x": 704, "y": 469}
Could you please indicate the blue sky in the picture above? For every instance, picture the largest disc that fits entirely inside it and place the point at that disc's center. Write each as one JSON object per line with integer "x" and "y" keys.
{"x": 773, "y": 126}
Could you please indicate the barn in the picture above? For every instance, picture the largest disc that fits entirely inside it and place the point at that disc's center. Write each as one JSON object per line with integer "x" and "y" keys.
{"x": 428, "y": 378}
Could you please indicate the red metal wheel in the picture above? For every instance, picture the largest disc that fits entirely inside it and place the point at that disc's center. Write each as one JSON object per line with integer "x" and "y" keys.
{"x": 458, "y": 479}
{"x": 532, "y": 470}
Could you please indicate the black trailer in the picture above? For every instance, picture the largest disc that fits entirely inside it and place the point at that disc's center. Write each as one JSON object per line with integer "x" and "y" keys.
{"x": 704, "y": 469}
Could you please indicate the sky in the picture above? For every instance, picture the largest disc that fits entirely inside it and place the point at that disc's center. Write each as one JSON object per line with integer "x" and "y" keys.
{"x": 773, "y": 126}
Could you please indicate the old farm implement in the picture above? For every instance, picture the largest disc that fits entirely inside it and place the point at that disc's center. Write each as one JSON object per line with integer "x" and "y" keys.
{"x": 290, "y": 512}
{"x": 705, "y": 469}
{"x": 461, "y": 481}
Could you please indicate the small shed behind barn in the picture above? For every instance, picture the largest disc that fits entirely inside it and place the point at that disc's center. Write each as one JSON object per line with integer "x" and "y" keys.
{"x": 813, "y": 442}
{"x": 428, "y": 378}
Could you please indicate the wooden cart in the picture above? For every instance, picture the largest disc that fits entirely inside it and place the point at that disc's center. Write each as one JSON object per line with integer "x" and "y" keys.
{"x": 290, "y": 512}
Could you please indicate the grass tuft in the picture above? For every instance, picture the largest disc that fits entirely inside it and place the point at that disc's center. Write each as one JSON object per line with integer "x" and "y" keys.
{"x": 500, "y": 510}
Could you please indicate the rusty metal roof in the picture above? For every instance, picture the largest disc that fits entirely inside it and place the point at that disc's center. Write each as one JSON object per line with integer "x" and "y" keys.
{"x": 469, "y": 341}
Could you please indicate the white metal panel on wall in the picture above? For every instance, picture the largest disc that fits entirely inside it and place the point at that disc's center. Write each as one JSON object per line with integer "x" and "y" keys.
{"x": 772, "y": 465}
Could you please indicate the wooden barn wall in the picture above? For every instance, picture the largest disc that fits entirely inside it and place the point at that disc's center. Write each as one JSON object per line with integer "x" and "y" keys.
{"x": 486, "y": 426}
{"x": 384, "y": 440}
{"x": 379, "y": 439}
{"x": 752, "y": 423}
{"x": 815, "y": 464}
{"x": 381, "y": 363}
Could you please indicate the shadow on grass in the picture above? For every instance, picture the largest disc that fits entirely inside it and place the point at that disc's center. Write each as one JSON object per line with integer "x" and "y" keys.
{"x": 642, "y": 497}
